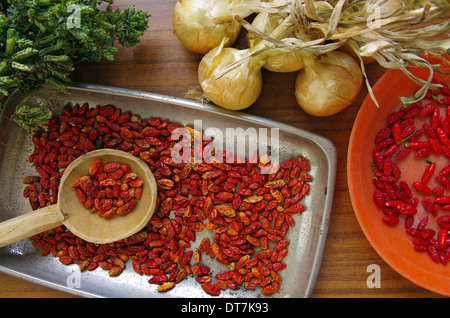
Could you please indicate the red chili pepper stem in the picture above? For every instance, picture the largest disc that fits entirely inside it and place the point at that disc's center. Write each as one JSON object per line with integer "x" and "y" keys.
{"x": 407, "y": 137}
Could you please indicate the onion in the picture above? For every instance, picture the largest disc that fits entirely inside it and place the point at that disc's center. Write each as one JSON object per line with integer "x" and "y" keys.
{"x": 201, "y": 25}
{"x": 232, "y": 78}
{"x": 328, "y": 83}
{"x": 236, "y": 89}
{"x": 278, "y": 60}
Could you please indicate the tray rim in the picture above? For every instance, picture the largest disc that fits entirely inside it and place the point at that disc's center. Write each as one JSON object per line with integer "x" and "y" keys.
{"x": 324, "y": 144}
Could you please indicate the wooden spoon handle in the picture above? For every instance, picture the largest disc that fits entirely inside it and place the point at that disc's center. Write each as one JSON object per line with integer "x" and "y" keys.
{"x": 29, "y": 224}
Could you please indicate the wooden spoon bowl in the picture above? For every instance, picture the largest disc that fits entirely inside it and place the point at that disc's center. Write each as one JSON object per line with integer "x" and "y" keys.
{"x": 78, "y": 219}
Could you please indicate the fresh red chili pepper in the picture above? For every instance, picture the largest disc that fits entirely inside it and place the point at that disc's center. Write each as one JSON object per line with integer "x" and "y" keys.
{"x": 393, "y": 195}
{"x": 406, "y": 122}
{"x": 443, "y": 137}
{"x": 445, "y": 89}
{"x": 393, "y": 117}
{"x": 417, "y": 144}
{"x": 442, "y": 237}
{"x": 407, "y": 132}
{"x": 422, "y": 223}
{"x": 438, "y": 191}
{"x": 443, "y": 123}
{"x": 443, "y": 180}
{"x": 402, "y": 154}
{"x": 387, "y": 166}
{"x": 423, "y": 153}
{"x": 427, "y": 109}
{"x": 446, "y": 151}
{"x": 394, "y": 203}
{"x": 377, "y": 159}
{"x": 444, "y": 199}
{"x": 411, "y": 113}
{"x": 382, "y": 135}
{"x": 391, "y": 150}
{"x": 422, "y": 188}
{"x": 407, "y": 209}
{"x": 445, "y": 171}
{"x": 434, "y": 120}
{"x": 385, "y": 143}
{"x": 416, "y": 134}
{"x": 430, "y": 131}
{"x": 397, "y": 132}
{"x": 402, "y": 207}
{"x": 427, "y": 204}
{"x": 428, "y": 173}
{"x": 435, "y": 146}
{"x": 406, "y": 188}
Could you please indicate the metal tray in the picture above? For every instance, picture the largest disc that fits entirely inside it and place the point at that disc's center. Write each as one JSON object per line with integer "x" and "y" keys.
{"x": 307, "y": 238}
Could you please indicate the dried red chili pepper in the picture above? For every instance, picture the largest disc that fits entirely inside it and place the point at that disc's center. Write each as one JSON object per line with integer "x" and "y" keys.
{"x": 101, "y": 190}
{"x": 190, "y": 191}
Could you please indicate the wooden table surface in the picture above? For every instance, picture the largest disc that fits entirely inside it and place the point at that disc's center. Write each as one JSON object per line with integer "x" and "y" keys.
{"x": 160, "y": 64}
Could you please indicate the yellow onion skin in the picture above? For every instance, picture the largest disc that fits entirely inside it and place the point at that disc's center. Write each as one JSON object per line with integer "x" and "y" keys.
{"x": 238, "y": 88}
{"x": 278, "y": 60}
{"x": 197, "y": 30}
{"x": 284, "y": 62}
{"x": 328, "y": 84}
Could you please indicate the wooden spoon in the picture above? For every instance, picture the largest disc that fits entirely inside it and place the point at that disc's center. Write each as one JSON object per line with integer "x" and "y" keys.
{"x": 78, "y": 219}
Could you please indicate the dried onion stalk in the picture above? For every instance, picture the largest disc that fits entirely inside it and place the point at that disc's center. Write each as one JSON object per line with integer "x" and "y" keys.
{"x": 278, "y": 60}
{"x": 392, "y": 32}
{"x": 395, "y": 33}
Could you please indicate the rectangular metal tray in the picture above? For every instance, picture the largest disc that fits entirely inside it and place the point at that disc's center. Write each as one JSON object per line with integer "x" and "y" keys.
{"x": 307, "y": 238}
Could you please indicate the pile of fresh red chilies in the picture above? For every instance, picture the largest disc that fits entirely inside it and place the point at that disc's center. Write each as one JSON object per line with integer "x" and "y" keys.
{"x": 421, "y": 130}
{"x": 246, "y": 212}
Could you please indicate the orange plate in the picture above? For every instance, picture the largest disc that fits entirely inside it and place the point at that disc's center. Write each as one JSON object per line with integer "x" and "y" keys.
{"x": 393, "y": 244}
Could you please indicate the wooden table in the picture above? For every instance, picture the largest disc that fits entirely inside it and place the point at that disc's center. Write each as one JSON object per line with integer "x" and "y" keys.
{"x": 160, "y": 64}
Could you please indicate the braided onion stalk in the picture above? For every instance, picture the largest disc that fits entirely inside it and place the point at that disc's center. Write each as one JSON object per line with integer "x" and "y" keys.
{"x": 319, "y": 37}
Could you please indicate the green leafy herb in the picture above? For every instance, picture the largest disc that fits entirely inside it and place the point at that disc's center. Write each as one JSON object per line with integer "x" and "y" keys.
{"x": 30, "y": 117}
{"x": 40, "y": 40}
